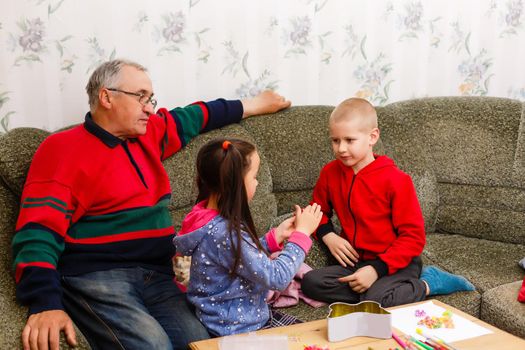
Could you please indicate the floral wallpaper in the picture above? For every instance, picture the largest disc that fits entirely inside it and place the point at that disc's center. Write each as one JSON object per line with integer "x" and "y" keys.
{"x": 312, "y": 51}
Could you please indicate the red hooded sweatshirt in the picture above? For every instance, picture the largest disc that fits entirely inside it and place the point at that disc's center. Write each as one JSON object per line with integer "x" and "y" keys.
{"x": 378, "y": 209}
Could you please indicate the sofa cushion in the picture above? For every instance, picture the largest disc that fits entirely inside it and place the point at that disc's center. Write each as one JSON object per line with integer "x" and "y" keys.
{"x": 480, "y": 261}
{"x": 17, "y": 148}
{"x": 286, "y": 200}
{"x": 494, "y": 213}
{"x": 501, "y": 308}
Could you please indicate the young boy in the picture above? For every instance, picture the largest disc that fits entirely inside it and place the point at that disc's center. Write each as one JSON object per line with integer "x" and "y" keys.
{"x": 383, "y": 231}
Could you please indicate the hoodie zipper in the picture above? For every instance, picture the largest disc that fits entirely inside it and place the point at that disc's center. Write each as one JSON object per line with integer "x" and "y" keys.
{"x": 350, "y": 209}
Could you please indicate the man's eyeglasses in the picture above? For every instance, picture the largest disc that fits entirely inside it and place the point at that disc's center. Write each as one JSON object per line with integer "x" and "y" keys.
{"x": 143, "y": 98}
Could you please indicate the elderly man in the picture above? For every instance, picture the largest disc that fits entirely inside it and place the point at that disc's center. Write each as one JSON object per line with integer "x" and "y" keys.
{"x": 94, "y": 232}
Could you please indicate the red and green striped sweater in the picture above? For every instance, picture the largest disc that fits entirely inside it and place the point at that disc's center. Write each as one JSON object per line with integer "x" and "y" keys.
{"x": 94, "y": 202}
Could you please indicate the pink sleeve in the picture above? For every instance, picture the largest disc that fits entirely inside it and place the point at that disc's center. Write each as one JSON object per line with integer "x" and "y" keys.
{"x": 302, "y": 240}
{"x": 272, "y": 242}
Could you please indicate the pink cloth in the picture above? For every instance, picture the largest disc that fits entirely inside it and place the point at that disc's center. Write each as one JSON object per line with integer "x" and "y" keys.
{"x": 291, "y": 295}
{"x": 272, "y": 242}
{"x": 197, "y": 217}
{"x": 302, "y": 240}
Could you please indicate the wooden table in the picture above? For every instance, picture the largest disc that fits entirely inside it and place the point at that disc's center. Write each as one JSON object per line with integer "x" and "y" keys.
{"x": 315, "y": 332}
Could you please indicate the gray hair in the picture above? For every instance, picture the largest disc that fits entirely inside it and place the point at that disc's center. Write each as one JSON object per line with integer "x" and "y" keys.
{"x": 107, "y": 75}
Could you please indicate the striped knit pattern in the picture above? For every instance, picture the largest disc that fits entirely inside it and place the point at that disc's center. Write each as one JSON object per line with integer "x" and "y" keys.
{"x": 47, "y": 201}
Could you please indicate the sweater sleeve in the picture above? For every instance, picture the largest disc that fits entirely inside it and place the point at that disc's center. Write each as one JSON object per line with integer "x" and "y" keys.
{"x": 175, "y": 128}
{"x": 408, "y": 223}
{"x": 321, "y": 196}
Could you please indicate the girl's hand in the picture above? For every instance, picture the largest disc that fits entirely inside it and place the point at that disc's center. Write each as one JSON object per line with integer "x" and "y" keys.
{"x": 361, "y": 280}
{"x": 341, "y": 249}
{"x": 284, "y": 230}
{"x": 307, "y": 220}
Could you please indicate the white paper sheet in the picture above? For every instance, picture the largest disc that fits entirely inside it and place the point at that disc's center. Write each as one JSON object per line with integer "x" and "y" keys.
{"x": 405, "y": 320}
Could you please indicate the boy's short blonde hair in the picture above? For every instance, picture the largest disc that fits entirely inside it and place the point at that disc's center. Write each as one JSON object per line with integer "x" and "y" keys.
{"x": 355, "y": 109}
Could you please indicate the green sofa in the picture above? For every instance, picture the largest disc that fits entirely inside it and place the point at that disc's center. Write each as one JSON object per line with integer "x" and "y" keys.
{"x": 466, "y": 156}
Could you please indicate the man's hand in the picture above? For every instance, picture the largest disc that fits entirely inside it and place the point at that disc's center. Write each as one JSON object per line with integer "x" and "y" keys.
{"x": 341, "y": 249}
{"x": 264, "y": 103}
{"x": 361, "y": 280}
{"x": 284, "y": 230}
{"x": 42, "y": 330}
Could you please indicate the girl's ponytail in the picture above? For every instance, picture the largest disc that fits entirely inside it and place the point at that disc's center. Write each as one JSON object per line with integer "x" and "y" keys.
{"x": 221, "y": 166}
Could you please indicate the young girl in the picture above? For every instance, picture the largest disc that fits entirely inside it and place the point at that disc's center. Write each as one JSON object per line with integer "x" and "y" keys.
{"x": 231, "y": 272}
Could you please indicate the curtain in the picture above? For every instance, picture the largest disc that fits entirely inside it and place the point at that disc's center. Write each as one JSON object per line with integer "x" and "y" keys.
{"x": 311, "y": 51}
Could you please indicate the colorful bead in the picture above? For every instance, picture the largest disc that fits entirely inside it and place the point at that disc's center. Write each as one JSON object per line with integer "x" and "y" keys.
{"x": 444, "y": 321}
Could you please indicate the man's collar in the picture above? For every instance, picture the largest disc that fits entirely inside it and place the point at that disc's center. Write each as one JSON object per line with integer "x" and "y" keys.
{"x": 109, "y": 140}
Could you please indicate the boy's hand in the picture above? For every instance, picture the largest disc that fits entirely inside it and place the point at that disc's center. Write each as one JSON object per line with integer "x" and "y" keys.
{"x": 284, "y": 230}
{"x": 307, "y": 220}
{"x": 341, "y": 249}
{"x": 361, "y": 280}
{"x": 264, "y": 103}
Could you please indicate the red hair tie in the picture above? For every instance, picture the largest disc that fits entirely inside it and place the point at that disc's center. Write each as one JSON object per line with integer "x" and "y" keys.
{"x": 225, "y": 145}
